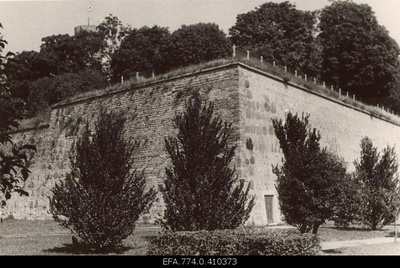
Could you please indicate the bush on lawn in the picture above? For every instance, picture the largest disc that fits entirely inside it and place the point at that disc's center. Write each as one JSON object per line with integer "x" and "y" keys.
{"x": 202, "y": 190}
{"x": 235, "y": 242}
{"x": 310, "y": 180}
{"x": 103, "y": 197}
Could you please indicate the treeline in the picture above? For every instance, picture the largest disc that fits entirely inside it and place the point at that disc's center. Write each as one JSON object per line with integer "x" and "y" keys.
{"x": 342, "y": 44}
{"x": 68, "y": 65}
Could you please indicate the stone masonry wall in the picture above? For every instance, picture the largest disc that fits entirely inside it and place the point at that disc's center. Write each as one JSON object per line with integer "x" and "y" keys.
{"x": 242, "y": 95}
{"x": 263, "y": 97}
{"x": 46, "y": 168}
{"x": 155, "y": 106}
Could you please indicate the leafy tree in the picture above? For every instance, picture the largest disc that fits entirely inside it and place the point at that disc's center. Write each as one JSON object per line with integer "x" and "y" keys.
{"x": 30, "y": 66}
{"x": 63, "y": 49}
{"x": 143, "y": 50}
{"x": 73, "y": 53}
{"x": 113, "y": 32}
{"x": 279, "y": 32}
{"x": 392, "y": 101}
{"x": 309, "y": 179}
{"x": 103, "y": 196}
{"x": 66, "y": 65}
{"x": 197, "y": 43}
{"x": 379, "y": 184}
{"x": 92, "y": 45}
{"x": 348, "y": 203}
{"x": 358, "y": 54}
{"x": 14, "y": 160}
{"x": 202, "y": 191}
{"x": 26, "y": 67}
{"x": 51, "y": 90}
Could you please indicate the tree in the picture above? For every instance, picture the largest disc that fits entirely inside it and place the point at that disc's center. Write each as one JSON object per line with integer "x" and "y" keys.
{"x": 358, "y": 54}
{"x": 348, "y": 203}
{"x": 14, "y": 160}
{"x": 30, "y": 66}
{"x": 51, "y": 90}
{"x": 74, "y": 53}
{"x": 309, "y": 179}
{"x": 66, "y": 65}
{"x": 202, "y": 191}
{"x": 143, "y": 50}
{"x": 392, "y": 101}
{"x": 103, "y": 196}
{"x": 379, "y": 184}
{"x": 26, "y": 67}
{"x": 279, "y": 32}
{"x": 113, "y": 32}
{"x": 197, "y": 43}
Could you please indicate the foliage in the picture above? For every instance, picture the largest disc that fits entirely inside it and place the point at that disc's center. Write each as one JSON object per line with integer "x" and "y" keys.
{"x": 392, "y": 101}
{"x": 202, "y": 191}
{"x": 113, "y": 33}
{"x": 234, "y": 242}
{"x": 309, "y": 179}
{"x": 68, "y": 57}
{"x": 26, "y": 67}
{"x": 36, "y": 77}
{"x": 379, "y": 185}
{"x": 348, "y": 203}
{"x": 73, "y": 53}
{"x": 52, "y": 90}
{"x": 14, "y": 160}
{"x": 143, "y": 50}
{"x": 30, "y": 66}
{"x": 279, "y": 32}
{"x": 359, "y": 56}
{"x": 196, "y": 43}
{"x": 103, "y": 196}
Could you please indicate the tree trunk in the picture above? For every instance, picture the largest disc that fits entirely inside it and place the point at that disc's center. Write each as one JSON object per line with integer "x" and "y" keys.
{"x": 315, "y": 227}
{"x": 303, "y": 228}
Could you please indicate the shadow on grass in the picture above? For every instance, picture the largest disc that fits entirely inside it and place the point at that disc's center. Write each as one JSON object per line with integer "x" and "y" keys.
{"x": 391, "y": 234}
{"x": 332, "y": 251}
{"x": 352, "y": 228}
{"x": 77, "y": 249}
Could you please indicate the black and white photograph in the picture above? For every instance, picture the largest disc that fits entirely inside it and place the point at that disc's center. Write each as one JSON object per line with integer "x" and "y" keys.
{"x": 199, "y": 132}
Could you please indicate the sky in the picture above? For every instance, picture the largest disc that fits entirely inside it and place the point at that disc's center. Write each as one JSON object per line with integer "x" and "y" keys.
{"x": 26, "y": 22}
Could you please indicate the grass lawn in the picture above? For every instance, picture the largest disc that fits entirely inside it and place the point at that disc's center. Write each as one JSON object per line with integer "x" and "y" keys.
{"x": 24, "y": 237}
{"x": 329, "y": 233}
{"x": 378, "y": 249}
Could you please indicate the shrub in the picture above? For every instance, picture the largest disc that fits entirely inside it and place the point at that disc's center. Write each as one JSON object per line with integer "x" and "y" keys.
{"x": 242, "y": 242}
{"x": 379, "y": 185}
{"x": 348, "y": 203}
{"x": 14, "y": 159}
{"x": 309, "y": 179}
{"x": 103, "y": 196}
{"x": 202, "y": 191}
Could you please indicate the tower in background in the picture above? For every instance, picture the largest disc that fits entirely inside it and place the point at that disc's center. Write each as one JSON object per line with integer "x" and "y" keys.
{"x": 86, "y": 28}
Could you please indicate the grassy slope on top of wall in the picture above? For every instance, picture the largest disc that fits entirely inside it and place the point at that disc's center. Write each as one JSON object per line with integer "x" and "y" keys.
{"x": 278, "y": 72}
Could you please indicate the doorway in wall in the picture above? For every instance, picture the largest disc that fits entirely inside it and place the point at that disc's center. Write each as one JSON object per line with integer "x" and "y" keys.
{"x": 268, "y": 207}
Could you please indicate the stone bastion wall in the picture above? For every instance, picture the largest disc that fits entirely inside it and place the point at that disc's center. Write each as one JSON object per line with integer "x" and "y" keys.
{"x": 242, "y": 95}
